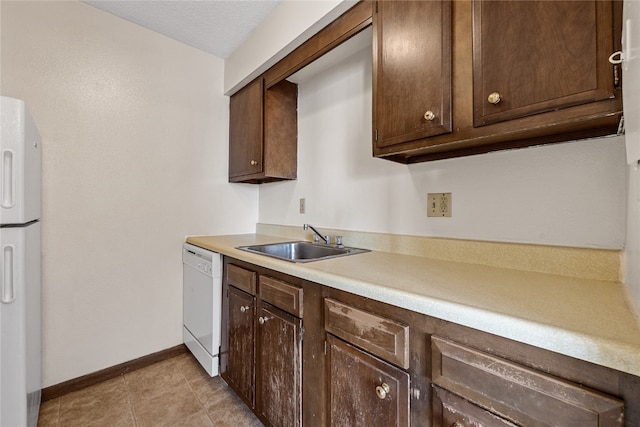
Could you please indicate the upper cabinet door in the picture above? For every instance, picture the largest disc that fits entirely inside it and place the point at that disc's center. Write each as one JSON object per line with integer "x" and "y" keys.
{"x": 412, "y": 71}
{"x": 531, "y": 57}
{"x": 246, "y": 130}
{"x": 263, "y": 132}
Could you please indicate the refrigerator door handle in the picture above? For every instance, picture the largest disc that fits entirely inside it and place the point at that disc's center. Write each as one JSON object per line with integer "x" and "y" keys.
{"x": 8, "y": 290}
{"x": 8, "y": 179}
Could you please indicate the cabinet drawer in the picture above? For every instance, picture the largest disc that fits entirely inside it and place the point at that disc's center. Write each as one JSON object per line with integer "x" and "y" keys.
{"x": 452, "y": 410}
{"x": 383, "y": 337}
{"x": 517, "y": 393}
{"x": 281, "y": 294}
{"x": 241, "y": 278}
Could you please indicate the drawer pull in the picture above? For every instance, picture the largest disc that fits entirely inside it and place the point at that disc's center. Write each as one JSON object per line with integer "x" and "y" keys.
{"x": 382, "y": 390}
{"x": 244, "y": 308}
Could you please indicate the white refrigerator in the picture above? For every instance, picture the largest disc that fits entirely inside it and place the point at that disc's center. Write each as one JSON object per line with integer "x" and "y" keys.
{"x": 20, "y": 266}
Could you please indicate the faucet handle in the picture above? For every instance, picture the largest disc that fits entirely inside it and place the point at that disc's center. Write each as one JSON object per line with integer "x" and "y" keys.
{"x": 316, "y": 238}
{"x": 339, "y": 240}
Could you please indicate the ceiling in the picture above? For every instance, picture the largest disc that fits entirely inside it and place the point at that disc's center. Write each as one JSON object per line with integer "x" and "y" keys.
{"x": 217, "y": 27}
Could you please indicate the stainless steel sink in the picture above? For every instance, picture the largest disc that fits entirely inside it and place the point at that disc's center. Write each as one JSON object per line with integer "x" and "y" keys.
{"x": 301, "y": 251}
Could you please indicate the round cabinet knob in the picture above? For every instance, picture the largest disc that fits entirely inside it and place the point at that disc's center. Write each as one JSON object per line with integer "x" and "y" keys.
{"x": 254, "y": 162}
{"x": 457, "y": 424}
{"x": 429, "y": 115}
{"x": 244, "y": 308}
{"x": 494, "y": 98}
{"x": 382, "y": 390}
{"x": 262, "y": 320}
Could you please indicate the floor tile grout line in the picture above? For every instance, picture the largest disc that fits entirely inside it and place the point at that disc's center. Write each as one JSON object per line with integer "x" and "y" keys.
{"x": 196, "y": 394}
{"x": 58, "y": 407}
{"x": 132, "y": 409}
{"x": 131, "y": 394}
{"x": 57, "y": 413}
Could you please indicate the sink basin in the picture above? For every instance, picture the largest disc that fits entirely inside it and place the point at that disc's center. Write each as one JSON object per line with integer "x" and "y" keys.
{"x": 301, "y": 251}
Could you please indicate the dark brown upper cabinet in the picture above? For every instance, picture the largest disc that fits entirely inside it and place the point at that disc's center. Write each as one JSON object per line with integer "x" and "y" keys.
{"x": 263, "y": 133}
{"x": 530, "y": 57}
{"x": 450, "y": 79}
{"x": 510, "y": 74}
{"x": 412, "y": 71}
{"x": 263, "y": 116}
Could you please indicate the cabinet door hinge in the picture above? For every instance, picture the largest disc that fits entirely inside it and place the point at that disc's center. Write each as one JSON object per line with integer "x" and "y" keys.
{"x": 301, "y": 333}
{"x": 376, "y": 7}
{"x": 376, "y": 134}
{"x": 616, "y": 76}
{"x": 325, "y": 347}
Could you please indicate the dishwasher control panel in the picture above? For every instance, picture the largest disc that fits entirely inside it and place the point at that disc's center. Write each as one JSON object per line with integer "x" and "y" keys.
{"x": 201, "y": 259}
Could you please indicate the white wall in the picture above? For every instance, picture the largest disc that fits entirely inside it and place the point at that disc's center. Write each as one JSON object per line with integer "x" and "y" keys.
{"x": 570, "y": 194}
{"x": 290, "y": 24}
{"x": 134, "y": 129}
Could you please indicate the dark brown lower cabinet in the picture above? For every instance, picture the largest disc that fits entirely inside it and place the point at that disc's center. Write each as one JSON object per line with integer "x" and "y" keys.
{"x": 364, "y": 391}
{"x": 279, "y": 368}
{"x": 261, "y": 349}
{"x": 368, "y": 364}
{"x": 239, "y": 372}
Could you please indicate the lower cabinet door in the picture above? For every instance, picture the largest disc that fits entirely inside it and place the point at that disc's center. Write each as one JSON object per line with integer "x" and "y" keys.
{"x": 279, "y": 367}
{"x": 452, "y": 410}
{"x": 240, "y": 370}
{"x": 364, "y": 391}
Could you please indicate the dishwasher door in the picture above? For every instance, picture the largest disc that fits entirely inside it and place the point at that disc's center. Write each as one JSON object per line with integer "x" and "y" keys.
{"x": 202, "y": 305}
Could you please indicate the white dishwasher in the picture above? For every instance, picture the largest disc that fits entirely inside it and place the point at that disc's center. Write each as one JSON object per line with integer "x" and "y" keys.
{"x": 202, "y": 305}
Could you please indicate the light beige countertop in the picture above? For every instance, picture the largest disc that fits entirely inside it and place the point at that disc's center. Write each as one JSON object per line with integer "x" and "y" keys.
{"x": 584, "y": 318}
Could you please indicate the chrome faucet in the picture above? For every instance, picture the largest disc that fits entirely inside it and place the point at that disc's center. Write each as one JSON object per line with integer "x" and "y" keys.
{"x": 326, "y": 238}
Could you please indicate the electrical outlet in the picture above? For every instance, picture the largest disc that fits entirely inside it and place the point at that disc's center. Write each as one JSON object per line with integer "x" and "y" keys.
{"x": 439, "y": 204}
{"x": 303, "y": 206}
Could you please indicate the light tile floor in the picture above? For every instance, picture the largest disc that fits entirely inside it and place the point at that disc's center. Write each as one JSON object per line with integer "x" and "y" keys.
{"x": 174, "y": 393}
